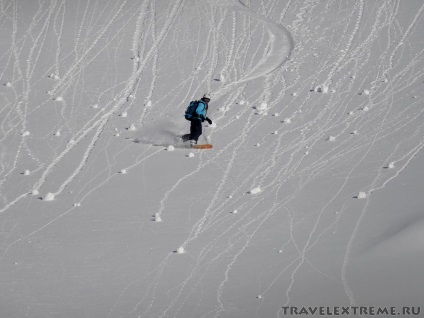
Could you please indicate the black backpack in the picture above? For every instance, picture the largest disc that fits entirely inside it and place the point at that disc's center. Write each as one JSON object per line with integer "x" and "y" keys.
{"x": 191, "y": 110}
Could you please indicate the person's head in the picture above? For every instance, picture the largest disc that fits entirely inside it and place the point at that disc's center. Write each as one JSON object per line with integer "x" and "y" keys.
{"x": 206, "y": 98}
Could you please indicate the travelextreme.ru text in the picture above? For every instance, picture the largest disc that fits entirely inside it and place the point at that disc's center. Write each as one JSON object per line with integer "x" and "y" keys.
{"x": 352, "y": 310}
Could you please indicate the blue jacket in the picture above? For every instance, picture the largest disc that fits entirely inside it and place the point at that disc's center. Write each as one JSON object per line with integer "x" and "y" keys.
{"x": 201, "y": 111}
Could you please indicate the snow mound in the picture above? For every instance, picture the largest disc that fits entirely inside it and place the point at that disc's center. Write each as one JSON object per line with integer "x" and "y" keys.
{"x": 190, "y": 155}
{"x": 331, "y": 138}
{"x": 234, "y": 211}
{"x": 157, "y": 217}
{"x": 180, "y": 250}
{"x": 124, "y": 114}
{"x": 27, "y": 172}
{"x": 35, "y": 192}
{"x": 148, "y": 103}
{"x": 48, "y": 197}
{"x": 361, "y": 195}
{"x": 321, "y": 89}
{"x": 25, "y": 133}
{"x": 123, "y": 171}
{"x": 57, "y": 134}
{"x": 242, "y": 102}
{"x": 262, "y": 109}
{"x": 132, "y": 127}
{"x": 256, "y": 190}
{"x": 287, "y": 120}
{"x": 58, "y": 99}
{"x": 8, "y": 84}
{"x": 170, "y": 148}
{"x": 391, "y": 165}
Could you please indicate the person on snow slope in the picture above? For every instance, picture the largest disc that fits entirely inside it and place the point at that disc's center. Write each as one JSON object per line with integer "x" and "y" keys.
{"x": 197, "y": 114}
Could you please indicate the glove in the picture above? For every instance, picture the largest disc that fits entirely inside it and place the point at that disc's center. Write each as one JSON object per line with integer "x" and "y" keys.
{"x": 209, "y": 121}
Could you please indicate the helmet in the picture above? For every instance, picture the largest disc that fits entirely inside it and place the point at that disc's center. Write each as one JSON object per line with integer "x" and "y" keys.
{"x": 207, "y": 96}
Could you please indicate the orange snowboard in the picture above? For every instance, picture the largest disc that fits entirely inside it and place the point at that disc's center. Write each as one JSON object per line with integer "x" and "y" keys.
{"x": 204, "y": 146}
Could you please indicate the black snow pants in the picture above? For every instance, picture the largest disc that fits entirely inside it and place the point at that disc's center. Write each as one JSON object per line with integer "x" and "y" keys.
{"x": 195, "y": 129}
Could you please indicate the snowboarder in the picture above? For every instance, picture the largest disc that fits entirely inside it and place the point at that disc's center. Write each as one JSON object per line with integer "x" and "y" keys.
{"x": 197, "y": 113}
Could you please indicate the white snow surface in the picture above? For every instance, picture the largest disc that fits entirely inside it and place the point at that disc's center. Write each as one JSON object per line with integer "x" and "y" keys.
{"x": 161, "y": 241}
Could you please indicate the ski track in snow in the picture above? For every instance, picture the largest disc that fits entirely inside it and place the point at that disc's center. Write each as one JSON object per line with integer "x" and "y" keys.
{"x": 149, "y": 58}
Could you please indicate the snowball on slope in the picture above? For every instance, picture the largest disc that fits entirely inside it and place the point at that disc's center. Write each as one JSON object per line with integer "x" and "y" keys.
{"x": 157, "y": 217}
{"x": 361, "y": 195}
{"x": 255, "y": 190}
{"x": 170, "y": 148}
{"x": 48, "y": 197}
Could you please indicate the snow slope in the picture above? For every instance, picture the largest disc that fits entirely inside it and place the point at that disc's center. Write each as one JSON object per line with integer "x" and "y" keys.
{"x": 310, "y": 196}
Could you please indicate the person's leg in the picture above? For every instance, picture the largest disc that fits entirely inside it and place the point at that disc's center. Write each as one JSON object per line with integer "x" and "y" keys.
{"x": 195, "y": 130}
{"x": 185, "y": 137}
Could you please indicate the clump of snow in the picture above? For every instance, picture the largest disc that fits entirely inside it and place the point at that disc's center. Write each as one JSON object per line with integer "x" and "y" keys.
{"x": 222, "y": 77}
{"x": 287, "y": 120}
{"x": 123, "y": 171}
{"x": 58, "y": 99}
{"x": 256, "y": 190}
{"x": 294, "y": 94}
{"x": 242, "y": 102}
{"x": 180, "y": 250}
{"x": 280, "y": 251}
{"x": 366, "y": 92}
{"x": 48, "y": 197}
{"x": 8, "y": 84}
{"x": 117, "y": 135}
{"x": 213, "y": 125}
{"x": 361, "y": 195}
{"x": 391, "y": 165}
{"x": 351, "y": 113}
{"x": 27, "y": 172}
{"x": 77, "y": 204}
{"x": 355, "y": 132}
{"x": 414, "y": 97}
{"x": 71, "y": 141}
{"x": 170, "y": 148}
{"x": 365, "y": 109}
{"x": 234, "y": 211}
{"x": 54, "y": 76}
{"x": 190, "y": 155}
{"x": 262, "y": 106}
{"x": 257, "y": 144}
{"x": 157, "y": 217}
{"x": 276, "y": 114}
{"x": 57, "y": 134}
{"x": 95, "y": 106}
{"x": 262, "y": 109}
{"x": 321, "y": 89}
{"x": 124, "y": 114}
{"x": 275, "y": 132}
{"x": 132, "y": 127}
{"x": 148, "y": 103}
{"x": 25, "y": 133}
{"x": 35, "y": 192}
{"x": 331, "y": 138}
{"x": 259, "y": 296}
